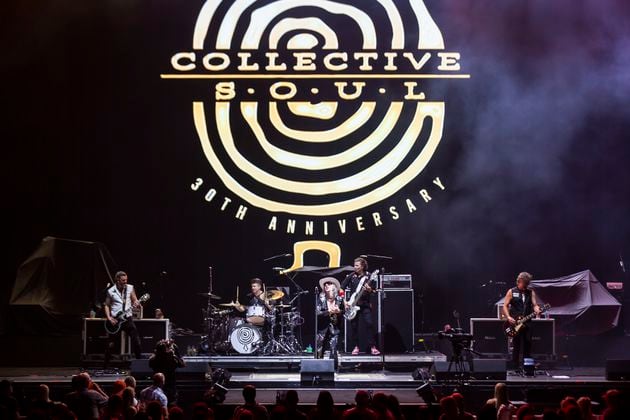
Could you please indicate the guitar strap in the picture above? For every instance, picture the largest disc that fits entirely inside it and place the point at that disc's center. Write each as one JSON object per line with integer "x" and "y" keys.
{"x": 124, "y": 300}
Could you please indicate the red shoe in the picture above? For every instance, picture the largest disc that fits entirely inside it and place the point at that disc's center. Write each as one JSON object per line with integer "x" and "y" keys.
{"x": 375, "y": 351}
{"x": 355, "y": 351}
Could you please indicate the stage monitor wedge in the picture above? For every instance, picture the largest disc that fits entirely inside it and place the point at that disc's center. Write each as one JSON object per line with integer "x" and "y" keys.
{"x": 618, "y": 369}
{"x": 314, "y": 372}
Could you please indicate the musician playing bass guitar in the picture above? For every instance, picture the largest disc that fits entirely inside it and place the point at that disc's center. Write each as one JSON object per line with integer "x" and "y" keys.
{"x": 352, "y": 281}
{"x": 521, "y": 301}
{"x": 119, "y": 303}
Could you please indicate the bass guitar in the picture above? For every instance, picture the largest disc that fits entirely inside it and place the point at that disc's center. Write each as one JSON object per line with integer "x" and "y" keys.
{"x": 513, "y": 330}
{"x": 353, "y": 309}
{"x": 121, "y": 318}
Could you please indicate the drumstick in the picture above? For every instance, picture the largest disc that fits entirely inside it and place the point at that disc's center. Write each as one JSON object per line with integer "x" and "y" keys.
{"x": 237, "y": 294}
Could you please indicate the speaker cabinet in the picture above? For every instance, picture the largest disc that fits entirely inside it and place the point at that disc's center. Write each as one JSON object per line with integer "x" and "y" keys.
{"x": 186, "y": 343}
{"x": 489, "y": 338}
{"x": 618, "y": 370}
{"x": 151, "y": 331}
{"x": 317, "y": 371}
{"x": 543, "y": 337}
{"x": 95, "y": 337}
{"x": 397, "y": 314}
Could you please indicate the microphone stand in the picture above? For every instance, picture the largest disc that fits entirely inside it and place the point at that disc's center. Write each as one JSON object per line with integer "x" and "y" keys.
{"x": 380, "y": 295}
{"x": 315, "y": 347}
{"x": 300, "y": 292}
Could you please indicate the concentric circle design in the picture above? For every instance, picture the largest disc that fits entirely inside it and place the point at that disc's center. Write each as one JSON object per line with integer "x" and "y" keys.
{"x": 245, "y": 338}
{"x": 322, "y": 156}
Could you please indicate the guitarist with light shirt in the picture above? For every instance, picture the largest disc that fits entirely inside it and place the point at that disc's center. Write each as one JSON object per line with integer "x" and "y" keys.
{"x": 119, "y": 303}
{"x": 352, "y": 282}
{"x": 521, "y": 301}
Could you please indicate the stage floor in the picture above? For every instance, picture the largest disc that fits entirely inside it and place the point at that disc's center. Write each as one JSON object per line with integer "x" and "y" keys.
{"x": 378, "y": 378}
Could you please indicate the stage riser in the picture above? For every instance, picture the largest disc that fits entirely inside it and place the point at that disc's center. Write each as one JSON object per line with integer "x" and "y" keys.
{"x": 400, "y": 362}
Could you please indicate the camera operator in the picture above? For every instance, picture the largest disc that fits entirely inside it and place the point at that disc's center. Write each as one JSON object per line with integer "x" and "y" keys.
{"x": 166, "y": 360}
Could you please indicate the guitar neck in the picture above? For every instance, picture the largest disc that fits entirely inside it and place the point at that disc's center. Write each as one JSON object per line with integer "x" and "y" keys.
{"x": 528, "y": 317}
{"x": 533, "y": 314}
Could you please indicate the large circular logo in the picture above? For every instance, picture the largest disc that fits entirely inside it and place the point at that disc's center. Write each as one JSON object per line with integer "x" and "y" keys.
{"x": 318, "y": 107}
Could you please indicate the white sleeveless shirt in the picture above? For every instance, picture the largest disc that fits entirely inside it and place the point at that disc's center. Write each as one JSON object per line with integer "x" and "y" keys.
{"x": 117, "y": 299}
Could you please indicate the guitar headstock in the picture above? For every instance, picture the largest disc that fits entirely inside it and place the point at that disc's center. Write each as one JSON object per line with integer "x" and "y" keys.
{"x": 144, "y": 298}
{"x": 374, "y": 275}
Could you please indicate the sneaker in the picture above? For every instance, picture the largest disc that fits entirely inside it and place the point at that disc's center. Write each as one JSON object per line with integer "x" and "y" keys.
{"x": 355, "y": 351}
{"x": 375, "y": 351}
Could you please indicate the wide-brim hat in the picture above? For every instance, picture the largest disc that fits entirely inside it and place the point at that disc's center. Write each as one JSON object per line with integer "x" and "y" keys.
{"x": 332, "y": 280}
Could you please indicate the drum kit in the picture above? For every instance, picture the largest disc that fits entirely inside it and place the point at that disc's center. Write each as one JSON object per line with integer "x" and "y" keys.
{"x": 261, "y": 331}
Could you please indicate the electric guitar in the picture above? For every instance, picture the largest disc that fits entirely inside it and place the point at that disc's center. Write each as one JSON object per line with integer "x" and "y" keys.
{"x": 353, "y": 309}
{"x": 513, "y": 330}
{"x": 121, "y": 318}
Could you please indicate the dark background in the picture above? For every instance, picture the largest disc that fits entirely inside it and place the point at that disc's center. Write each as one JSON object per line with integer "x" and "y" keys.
{"x": 534, "y": 155}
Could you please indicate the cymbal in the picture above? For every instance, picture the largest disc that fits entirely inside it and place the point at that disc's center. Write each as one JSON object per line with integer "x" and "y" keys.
{"x": 274, "y": 294}
{"x": 231, "y": 304}
{"x": 210, "y": 295}
{"x": 221, "y": 311}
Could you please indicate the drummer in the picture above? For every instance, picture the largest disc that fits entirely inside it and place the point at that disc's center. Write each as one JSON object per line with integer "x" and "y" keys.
{"x": 259, "y": 303}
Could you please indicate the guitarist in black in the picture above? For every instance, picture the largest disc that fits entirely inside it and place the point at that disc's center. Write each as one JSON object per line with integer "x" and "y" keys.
{"x": 352, "y": 282}
{"x": 119, "y": 303}
{"x": 521, "y": 301}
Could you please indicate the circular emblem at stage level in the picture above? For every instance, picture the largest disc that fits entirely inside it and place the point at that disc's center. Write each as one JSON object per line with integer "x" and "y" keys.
{"x": 316, "y": 108}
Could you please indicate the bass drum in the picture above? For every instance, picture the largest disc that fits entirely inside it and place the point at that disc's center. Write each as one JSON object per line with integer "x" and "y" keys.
{"x": 246, "y": 339}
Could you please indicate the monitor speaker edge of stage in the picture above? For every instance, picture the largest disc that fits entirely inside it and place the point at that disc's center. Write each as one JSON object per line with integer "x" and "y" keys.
{"x": 194, "y": 370}
{"x": 444, "y": 371}
{"x": 140, "y": 369}
{"x": 494, "y": 369}
{"x": 482, "y": 369}
{"x": 618, "y": 369}
{"x": 317, "y": 371}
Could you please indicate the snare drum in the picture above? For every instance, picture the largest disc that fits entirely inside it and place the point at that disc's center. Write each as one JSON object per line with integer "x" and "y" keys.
{"x": 256, "y": 315}
{"x": 246, "y": 339}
